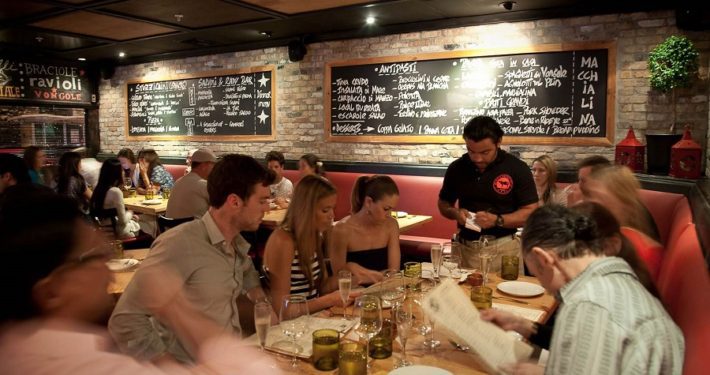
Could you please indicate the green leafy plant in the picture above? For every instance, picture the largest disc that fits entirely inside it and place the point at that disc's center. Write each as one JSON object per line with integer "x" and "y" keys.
{"x": 673, "y": 63}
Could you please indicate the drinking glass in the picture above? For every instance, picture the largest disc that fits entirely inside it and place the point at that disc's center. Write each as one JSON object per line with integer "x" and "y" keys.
{"x": 345, "y": 280}
{"x": 482, "y": 297}
{"x": 293, "y": 317}
{"x": 426, "y": 328}
{"x": 412, "y": 274}
{"x": 352, "y": 359}
{"x": 436, "y": 252}
{"x": 127, "y": 183}
{"x": 262, "y": 321}
{"x": 325, "y": 349}
{"x": 392, "y": 288}
{"x": 451, "y": 263}
{"x": 488, "y": 251}
{"x": 149, "y": 193}
{"x": 369, "y": 313}
{"x": 403, "y": 319}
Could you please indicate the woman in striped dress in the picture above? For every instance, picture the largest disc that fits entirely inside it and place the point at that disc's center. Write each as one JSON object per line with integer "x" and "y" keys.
{"x": 294, "y": 254}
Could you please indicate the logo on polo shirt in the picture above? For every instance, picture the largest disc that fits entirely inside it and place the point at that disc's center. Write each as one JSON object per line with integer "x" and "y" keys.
{"x": 503, "y": 184}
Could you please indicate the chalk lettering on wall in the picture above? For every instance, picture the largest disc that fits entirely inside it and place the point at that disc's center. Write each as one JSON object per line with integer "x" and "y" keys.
{"x": 542, "y": 94}
{"x": 229, "y": 104}
{"x": 32, "y": 81}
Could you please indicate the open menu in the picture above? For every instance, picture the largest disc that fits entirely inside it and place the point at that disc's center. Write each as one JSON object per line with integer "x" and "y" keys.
{"x": 450, "y": 308}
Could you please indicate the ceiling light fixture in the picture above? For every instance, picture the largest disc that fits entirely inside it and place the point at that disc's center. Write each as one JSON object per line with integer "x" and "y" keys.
{"x": 370, "y": 20}
{"x": 121, "y": 54}
{"x": 81, "y": 58}
{"x": 508, "y": 5}
{"x": 265, "y": 33}
{"x": 39, "y": 39}
{"x": 178, "y": 17}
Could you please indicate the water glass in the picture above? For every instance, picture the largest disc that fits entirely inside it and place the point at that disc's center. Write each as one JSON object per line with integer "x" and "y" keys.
{"x": 412, "y": 274}
{"x": 488, "y": 252}
{"x": 293, "y": 318}
{"x": 262, "y": 321}
{"x": 392, "y": 289}
{"x": 369, "y": 313}
{"x": 509, "y": 267}
{"x": 166, "y": 193}
{"x": 381, "y": 344}
{"x": 325, "y": 349}
{"x": 482, "y": 297}
{"x": 451, "y": 263}
{"x": 352, "y": 359}
{"x": 149, "y": 193}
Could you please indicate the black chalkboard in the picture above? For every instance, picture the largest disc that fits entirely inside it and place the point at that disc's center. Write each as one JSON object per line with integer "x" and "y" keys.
{"x": 27, "y": 80}
{"x": 542, "y": 94}
{"x": 211, "y": 106}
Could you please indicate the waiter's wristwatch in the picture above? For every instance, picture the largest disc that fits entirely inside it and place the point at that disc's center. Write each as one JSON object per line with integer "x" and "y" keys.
{"x": 499, "y": 221}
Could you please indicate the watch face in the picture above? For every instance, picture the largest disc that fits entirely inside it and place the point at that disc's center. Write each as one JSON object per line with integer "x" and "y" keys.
{"x": 499, "y": 221}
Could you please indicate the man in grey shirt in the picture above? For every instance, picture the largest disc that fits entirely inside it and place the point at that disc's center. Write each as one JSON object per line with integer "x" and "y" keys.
{"x": 208, "y": 255}
{"x": 188, "y": 197}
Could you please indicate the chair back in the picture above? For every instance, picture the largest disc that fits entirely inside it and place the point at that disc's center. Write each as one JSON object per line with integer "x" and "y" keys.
{"x": 99, "y": 218}
{"x": 165, "y": 223}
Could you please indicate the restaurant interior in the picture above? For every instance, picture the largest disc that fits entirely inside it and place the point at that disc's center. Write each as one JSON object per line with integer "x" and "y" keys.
{"x": 103, "y": 75}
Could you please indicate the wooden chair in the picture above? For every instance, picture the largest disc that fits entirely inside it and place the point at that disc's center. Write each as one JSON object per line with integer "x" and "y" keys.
{"x": 165, "y": 223}
{"x": 106, "y": 221}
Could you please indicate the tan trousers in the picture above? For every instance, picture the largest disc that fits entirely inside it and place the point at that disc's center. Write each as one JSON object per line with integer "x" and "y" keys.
{"x": 507, "y": 245}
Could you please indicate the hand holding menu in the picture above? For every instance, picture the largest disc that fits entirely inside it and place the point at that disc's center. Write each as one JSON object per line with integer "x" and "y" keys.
{"x": 451, "y": 309}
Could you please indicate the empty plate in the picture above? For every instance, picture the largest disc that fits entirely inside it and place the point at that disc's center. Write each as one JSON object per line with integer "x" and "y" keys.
{"x": 420, "y": 370}
{"x": 120, "y": 265}
{"x": 152, "y": 201}
{"x": 520, "y": 288}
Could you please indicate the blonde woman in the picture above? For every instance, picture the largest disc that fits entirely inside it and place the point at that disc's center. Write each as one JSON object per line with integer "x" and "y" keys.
{"x": 294, "y": 258}
{"x": 544, "y": 171}
{"x": 617, "y": 189}
{"x": 368, "y": 241}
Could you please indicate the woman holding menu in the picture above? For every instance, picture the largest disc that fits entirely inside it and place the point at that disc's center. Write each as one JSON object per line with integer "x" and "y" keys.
{"x": 294, "y": 260}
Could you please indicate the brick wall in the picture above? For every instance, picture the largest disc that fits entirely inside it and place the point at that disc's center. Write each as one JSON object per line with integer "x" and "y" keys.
{"x": 300, "y": 92}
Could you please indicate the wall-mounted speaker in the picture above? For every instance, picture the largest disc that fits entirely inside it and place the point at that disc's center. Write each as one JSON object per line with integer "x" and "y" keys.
{"x": 296, "y": 50}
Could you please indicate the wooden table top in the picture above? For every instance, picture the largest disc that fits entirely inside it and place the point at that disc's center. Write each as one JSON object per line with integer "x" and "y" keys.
{"x": 274, "y": 217}
{"x": 136, "y": 204}
{"x": 445, "y": 356}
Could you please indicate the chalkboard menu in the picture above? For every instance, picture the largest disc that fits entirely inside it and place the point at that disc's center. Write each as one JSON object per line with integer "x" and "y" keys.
{"x": 225, "y": 105}
{"x": 562, "y": 94}
{"x": 44, "y": 82}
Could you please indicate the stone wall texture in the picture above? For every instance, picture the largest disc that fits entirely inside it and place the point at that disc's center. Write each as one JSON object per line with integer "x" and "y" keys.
{"x": 299, "y": 95}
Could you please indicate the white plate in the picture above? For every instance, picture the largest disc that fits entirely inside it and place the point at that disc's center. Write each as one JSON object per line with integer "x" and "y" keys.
{"x": 120, "y": 265}
{"x": 420, "y": 370}
{"x": 400, "y": 214}
{"x": 152, "y": 201}
{"x": 520, "y": 288}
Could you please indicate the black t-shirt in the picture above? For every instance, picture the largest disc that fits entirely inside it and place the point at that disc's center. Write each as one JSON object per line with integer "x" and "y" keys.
{"x": 503, "y": 187}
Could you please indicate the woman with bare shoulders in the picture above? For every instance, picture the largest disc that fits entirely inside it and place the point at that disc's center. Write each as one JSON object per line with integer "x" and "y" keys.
{"x": 368, "y": 241}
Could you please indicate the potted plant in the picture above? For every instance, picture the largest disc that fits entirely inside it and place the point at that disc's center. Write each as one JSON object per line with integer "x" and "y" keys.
{"x": 672, "y": 64}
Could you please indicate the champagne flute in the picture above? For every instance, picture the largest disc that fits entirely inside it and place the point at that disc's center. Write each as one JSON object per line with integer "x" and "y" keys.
{"x": 403, "y": 319}
{"x": 262, "y": 321}
{"x": 345, "y": 280}
{"x": 436, "y": 252}
{"x": 369, "y": 313}
{"x": 293, "y": 317}
{"x": 487, "y": 253}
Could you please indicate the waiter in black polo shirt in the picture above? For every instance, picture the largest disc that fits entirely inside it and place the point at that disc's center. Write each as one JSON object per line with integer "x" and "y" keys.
{"x": 492, "y": 184}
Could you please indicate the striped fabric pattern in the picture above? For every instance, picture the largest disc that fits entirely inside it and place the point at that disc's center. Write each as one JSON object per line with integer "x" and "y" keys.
{"x": 299, "y": 282}
{"x": 609, "y": 324}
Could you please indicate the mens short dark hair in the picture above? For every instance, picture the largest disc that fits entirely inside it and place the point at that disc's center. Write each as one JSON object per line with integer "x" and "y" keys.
{"x": 15, "y": 166}
{"x": 275, "y": 156}
{"x": 594, "y": 161}
{"x": 39, "y": 230}
{"x": 482, "y": 127}
{"x": 236, "y": 174}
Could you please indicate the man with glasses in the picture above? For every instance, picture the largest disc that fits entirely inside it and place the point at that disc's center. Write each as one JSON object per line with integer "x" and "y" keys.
{"x": 209, "y": 257}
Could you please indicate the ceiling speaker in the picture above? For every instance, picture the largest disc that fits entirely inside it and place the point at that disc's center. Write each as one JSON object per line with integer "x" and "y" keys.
{"x": 296, "y": 50}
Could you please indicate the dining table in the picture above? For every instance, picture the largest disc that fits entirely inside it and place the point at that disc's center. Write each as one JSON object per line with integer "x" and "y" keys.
{"x": 139, "y": 204}
{"x": 406, "y": 221}
{"x": 449, "y": 355}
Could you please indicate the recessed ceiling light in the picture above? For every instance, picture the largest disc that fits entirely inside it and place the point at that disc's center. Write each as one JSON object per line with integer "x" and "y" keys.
{"x": 370, "y": 20}
{"x": 121, "y": 54}
{"x": 81, "y": 58}
{"x": 265, "y": 33}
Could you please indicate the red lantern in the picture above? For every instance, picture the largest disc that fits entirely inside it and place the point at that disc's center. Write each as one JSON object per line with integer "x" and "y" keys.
{"x": 685, "y": 157}
{"x": 630, "y": 152}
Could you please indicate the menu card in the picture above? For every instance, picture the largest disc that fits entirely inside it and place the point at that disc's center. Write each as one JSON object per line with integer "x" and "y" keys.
{"x": 450, "y": 308}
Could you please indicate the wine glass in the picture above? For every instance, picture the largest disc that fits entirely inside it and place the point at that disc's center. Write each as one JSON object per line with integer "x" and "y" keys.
{"x": 403, "y": 319}
{"x": 392, "y": 288}
{"x": 436, "y": 252}
{"x": 487, "y": 253}
{"x": 345, "y": 280}
{"x": 426, "y": 328}
{"x": 262, "y": 321}
{"x": 451, "y": 262}
{"x": 369, "y": 313}
{"x": 294, "y": 320}
{"x": 127, "y": 183}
